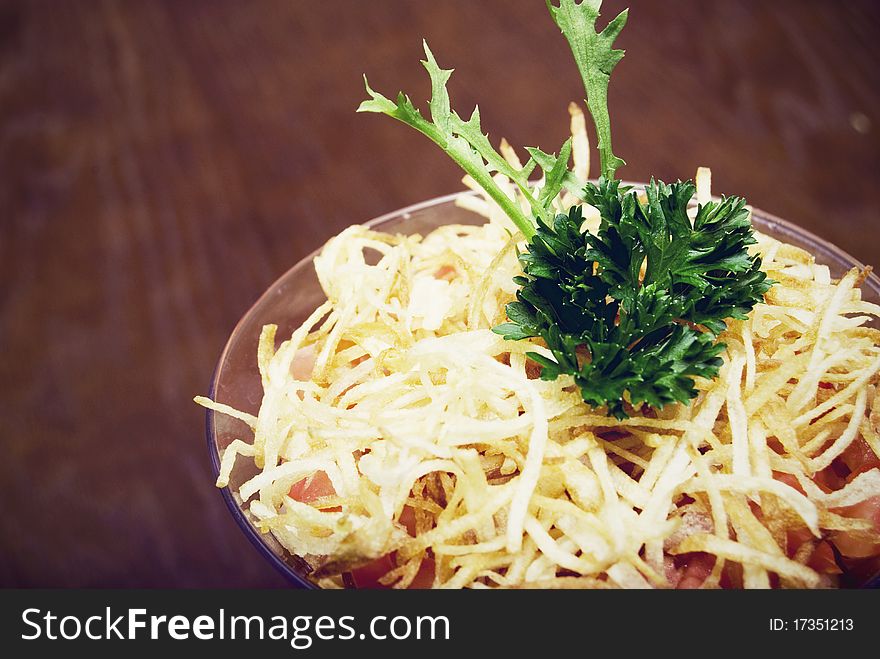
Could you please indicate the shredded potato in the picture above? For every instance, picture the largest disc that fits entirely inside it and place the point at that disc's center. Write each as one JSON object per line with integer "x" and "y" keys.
{"x": 444, "y": 453}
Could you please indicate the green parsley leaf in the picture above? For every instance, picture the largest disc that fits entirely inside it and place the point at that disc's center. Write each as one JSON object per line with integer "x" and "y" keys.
{"x": 623, "y": 335}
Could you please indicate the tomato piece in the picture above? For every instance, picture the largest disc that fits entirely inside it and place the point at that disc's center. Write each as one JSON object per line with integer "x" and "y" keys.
{"x": 696, "y": 569}
{"x": 408, "y": 519}
{"x": 367, "y": 576}
{"x": 822, "y": 559}
{"x": 789, "y": 480}
{"x": 831, "y": 478}
{"x": 303, "y": 363}
{"x": 314, "y": 487}
{"x": 446, "y": 272}
{"x": 731, "y": 576}
{"x": 795, "y": 539}
{"x": 868, "y": 509}
{"x": 859, "y": 458}
{"x": 424, "y": 578}
{"x": 775, "y": 445}
{"x": 853, "y": 545}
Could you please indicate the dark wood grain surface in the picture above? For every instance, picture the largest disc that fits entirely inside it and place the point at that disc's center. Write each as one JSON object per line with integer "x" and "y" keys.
{"x": 161, "y": 163}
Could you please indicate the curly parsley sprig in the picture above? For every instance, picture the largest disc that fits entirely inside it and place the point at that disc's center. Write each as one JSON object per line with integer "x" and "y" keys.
{"x": 633, "y": 311}
{"x": 620, "y": 310}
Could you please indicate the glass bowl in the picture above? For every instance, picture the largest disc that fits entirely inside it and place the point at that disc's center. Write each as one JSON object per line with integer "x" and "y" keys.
{"x": 290, "y": 300}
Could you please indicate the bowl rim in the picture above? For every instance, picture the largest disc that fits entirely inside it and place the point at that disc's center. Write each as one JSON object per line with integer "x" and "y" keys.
{"x": 784, "y": 227}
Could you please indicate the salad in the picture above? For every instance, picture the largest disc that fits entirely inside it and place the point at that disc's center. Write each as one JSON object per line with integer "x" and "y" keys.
{"x": 601, "y": 386}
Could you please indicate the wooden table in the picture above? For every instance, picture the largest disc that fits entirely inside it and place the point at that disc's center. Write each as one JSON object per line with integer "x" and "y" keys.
{"x": 161, "y": 163}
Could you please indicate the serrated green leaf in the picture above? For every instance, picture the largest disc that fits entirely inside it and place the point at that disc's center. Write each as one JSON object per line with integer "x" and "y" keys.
{"x": 462, "y": 141}
{"x": 595, "y": 59}
{"x": 546, "y": 161}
